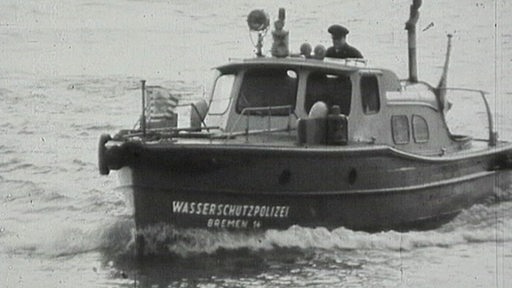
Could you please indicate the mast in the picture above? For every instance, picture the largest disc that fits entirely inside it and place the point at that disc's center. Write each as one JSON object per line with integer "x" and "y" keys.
{"x": 440, "y": 90}
{"x": 410, "y": 26}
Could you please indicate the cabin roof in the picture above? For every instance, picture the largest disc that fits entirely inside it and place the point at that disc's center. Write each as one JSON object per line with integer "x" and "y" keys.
{"x": 344, "y": 65}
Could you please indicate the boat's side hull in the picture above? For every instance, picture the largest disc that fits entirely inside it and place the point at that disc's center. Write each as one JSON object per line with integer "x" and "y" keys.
{"x": 404, "y": 209}
{"x": 369, "y": 190}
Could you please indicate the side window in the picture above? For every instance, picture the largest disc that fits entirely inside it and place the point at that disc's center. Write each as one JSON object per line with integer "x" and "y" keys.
{"x": 419, "y": 129}
{"x": 333, "y": 89}
{"x": 221, "y": 94}
{"x": 400, "y": 129}
{"x": 370, "y": 94}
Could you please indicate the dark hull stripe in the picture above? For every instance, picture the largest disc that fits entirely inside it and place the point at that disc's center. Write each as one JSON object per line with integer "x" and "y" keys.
{"x": 347, "y": 192}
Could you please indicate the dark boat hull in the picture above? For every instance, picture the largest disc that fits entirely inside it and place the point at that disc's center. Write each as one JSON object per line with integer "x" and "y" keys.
{"x": 248, "y": 188}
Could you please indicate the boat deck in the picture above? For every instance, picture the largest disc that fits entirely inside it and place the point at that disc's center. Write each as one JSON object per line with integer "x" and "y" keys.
{"x": 287, "y": 141}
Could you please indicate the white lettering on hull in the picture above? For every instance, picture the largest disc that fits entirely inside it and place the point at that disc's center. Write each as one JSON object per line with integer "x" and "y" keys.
{"x": 230, "y": 210}
{"x": 229, "y": 223}
{"x": 231, "y": 216}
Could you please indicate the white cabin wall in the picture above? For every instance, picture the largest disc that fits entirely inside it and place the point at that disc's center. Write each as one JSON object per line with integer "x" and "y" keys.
{"x": 367, "y": 128}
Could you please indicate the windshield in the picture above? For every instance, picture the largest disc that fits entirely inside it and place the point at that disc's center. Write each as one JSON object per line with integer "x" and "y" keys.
{"x": 268, "y": 87}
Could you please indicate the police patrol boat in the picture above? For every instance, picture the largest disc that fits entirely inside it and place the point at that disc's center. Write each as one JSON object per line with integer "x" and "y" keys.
{"x": 305, "y": 140}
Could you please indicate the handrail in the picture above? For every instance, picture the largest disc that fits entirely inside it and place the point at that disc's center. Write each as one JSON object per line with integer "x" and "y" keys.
{"x": 269, "y": 115}
{"x": 493, "y": 136}
{"x": 253, "y": 132}
{"x": 348, "y": 61}
{"x": 167, "y": 133}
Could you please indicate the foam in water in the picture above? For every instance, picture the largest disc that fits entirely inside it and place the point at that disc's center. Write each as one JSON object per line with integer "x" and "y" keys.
{"x": 481, "y": 223}
{"x": 115, "y": 235}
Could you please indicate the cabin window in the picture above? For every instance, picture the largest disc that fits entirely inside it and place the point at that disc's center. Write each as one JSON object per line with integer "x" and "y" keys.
{"x": 400, "y": 129}
{"x": 370, "y": 94}
{"x": 333, "y": 89}
{"x": 221, "y": 95}
{"x": 264, "y": 88}
{"x": 419, "y": 129}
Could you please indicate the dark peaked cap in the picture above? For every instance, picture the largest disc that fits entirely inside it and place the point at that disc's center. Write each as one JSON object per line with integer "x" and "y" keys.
{"x": 338, "y": 31}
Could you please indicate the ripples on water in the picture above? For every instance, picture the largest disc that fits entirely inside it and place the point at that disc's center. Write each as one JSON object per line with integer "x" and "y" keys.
{"x": 62, "y": 225}
{"x": 61, "y": 220}
{"x": 298, "y": 256}
{"x": 291, "y": 258}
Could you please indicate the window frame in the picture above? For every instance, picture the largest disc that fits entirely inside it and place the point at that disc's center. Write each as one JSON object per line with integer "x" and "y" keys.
{"x": 214, "y": 88}
{"x": 394, "y": 131}
{"x": 329, "y": 74}
{"x": 414, "y": 133}
{"x": 363, "y": 98}
{"x": 239, "y": 108}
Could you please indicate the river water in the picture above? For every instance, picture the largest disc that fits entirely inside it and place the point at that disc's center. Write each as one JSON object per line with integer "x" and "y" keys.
{"x": 70, "y": 70}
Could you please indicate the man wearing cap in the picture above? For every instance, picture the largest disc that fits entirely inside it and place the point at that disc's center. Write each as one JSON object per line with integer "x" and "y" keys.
{"x": 340, "y": 48}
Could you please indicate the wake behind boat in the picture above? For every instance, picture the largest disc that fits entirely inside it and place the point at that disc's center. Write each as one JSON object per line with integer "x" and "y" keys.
{"x": 305, "y": 140}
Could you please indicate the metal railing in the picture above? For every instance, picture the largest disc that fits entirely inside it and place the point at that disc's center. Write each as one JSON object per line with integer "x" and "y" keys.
{"x": 247, "y": 112}
{"x": 355, "y": 62}
{"x": 493, "y": 136}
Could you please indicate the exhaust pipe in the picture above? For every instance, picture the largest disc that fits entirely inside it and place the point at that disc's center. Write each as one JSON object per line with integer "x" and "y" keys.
{"x": 410, "y": 26}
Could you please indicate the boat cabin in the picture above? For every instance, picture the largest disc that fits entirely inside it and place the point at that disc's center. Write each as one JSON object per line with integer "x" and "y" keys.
{"x": 269, "y": 95}
{"x": 309, "y": 100}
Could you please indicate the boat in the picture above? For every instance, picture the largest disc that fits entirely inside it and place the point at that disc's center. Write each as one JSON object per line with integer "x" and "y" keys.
{"x": 300, "y": 139}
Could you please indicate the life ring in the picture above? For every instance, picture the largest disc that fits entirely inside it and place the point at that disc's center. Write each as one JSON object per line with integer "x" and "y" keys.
{"x": 102, "y": 161}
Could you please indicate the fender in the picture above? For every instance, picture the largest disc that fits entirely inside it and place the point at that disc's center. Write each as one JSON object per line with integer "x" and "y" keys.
{"x": 102, "y": 163}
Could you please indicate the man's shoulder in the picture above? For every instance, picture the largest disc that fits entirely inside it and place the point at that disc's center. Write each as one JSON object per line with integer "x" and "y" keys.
{"x": 353, "y": 51}
{"x": 346, "y": 51}
{"x": 350, "y": 47}
{"x": 331, "y": 51}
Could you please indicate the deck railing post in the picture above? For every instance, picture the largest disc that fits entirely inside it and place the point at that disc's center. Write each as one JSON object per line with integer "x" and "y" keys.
{"x": 247, "y": 127}
{"x": 143, "y": 120}
{"x": 269, "y": 116}
{"x": 289, "y": 125}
